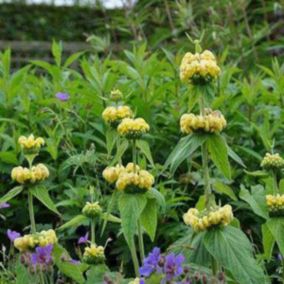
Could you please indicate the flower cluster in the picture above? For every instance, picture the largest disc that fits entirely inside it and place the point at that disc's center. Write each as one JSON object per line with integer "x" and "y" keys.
{"x": 92, "y": 209}
{"x": 275, "y": 204}
{"x": 272, "y": 161}
{"x": 111, "y": 174}
{"x": 199, "y": 68}
{"x": 36, "y": 173}
{"x": 201, "y": 221}
{"x": 133, "y": 128}
{"x": 94, "y": 254}
{"x": 114, "y": 115}
{"x": 170, "y": 267}
{"x": 212, "y": 122}
{"x": 30, "y": 143}
{"x": 130, "y": 179}
{"x": 30, "y": 241}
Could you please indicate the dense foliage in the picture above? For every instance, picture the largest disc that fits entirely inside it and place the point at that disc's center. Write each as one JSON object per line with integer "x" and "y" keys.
{"x": 91, "y": 199}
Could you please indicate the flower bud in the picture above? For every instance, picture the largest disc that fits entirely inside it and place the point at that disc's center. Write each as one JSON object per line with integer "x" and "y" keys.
{"x": 92, "y": 210}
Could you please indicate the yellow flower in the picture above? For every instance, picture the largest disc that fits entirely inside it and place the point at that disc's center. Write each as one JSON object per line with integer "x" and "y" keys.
{"x": 114, "y": 115}
{"x": 275, "y": 204}
{"x": 211, "y": 121}
{"x": 37, "y": 173}
{"x": 31, "y": 142}
{"x": 134, "y": 181}
{"x": 94, "y": 254}
{"x": 111, "y": 174}
{"x": 201, "y": 221}
{"x": 92, "y": 209}
{"x": 133, "y": 128}
{"x": 30, "y": 241}
{"x": 272, "y": 161}
{"x": 199, "y": 68}
{"x": 135, "y": 281}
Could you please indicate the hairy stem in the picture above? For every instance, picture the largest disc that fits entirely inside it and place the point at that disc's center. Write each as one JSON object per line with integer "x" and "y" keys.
{"x": 141, "y": 242}
{"x": 206, "y": 176}
{"x": 93, "y": 225}
{"x": 31, "y": 212}
{"x": 134, "y": 258}
{"x": 275, "y": 183}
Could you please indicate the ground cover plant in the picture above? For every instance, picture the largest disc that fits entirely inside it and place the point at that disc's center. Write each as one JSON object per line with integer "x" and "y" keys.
{"x": 146, "y": 166}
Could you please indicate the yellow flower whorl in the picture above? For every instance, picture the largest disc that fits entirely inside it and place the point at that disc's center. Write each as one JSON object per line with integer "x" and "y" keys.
{"x": 133, "y": 128}
{"x": 272, "y": 162}
{"x": 113, "y": 115}
{"x": 30, "y": 241}
{"x": 212, "y": 122}
{"x": 37, "y": 173}
{"x": 94, "y": 254}
{"x": 200, "y": 221}
{"x": 199, "y": 68}
{"x": 275, "y": 204}
{"x": 30, "y": 142}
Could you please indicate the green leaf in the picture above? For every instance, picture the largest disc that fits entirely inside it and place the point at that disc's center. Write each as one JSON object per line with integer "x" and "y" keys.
{"x": 256, "y": 200}
{"x": 110, "y": 217}
{"x": 12, "y": 193}
{"x": 145, "y": 149}
{"x": 158, "y": 196}
{"x": 41, "y": 193}
{"x": 60, "y": 257}
{"x": 268, "y": 241}
{"x": 218, "y": 150}
{"x": 149, "y": 217}
{"x": 184, "y": 149}
{"x": 9, "y": 157}
{"x": 96, "y": 274}
{"x": 73, "y": 57}
{"x": 257, "y": 173}
{"x": 231, "y": 249}
{"x": 130, "y": 207}
{"x": 111, "y": 138}
{"x": 224, "y": 189}
{"x": 235, "y": 156}
{"x": 276, "y": 227}
{"x": 56, "y": 50}
{"x": 120, "y": 151}
{"x": 200, "y": 205}
{"x": 22, "y": 275}
{"x": 76, "y": 221}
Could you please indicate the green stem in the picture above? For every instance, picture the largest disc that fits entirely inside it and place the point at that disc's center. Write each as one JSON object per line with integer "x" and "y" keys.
{"x": 214, "y": 270}
{"x": 134, "y": 154}
{"x": 31, "y": 212}
{"x": 206, "y": 176}
{"x": 282, "y": 270}
{"x": 275, "y": 183}
{"x": 141, "y": 242}
{"x": 134, "y": 258}
{"x": 93, "y": 225}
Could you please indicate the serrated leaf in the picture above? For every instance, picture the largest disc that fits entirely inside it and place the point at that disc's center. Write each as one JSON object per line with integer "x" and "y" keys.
{"x": 256, "y": 200}
{"x": 184, "y": 149}
{"x": 231, "y": 249}
{"x": 11, "y": 194}
{"x": 149, "y": 217}
{"x": 41, "y": 193}
{"x": 218, "y": 150}
{"x": 130, "y": 207}
{"x": 76, "y": 221}
{"x": 145, "y": 149}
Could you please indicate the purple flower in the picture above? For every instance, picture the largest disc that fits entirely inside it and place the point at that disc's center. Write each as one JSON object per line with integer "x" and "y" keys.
{"x": 12, "y": 235}
{"x": 83, "y": 239}
{"x": 62, "y": 96}
{"x": 151, "y": 262}
{"x": 173, "y": 266}
{"x": 4, "y": 205}
{"x": 42, "y": 255}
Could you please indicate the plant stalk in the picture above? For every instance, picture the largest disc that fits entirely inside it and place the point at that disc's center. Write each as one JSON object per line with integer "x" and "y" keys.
{"x": 31, "y": 212}
{"x": 134, "y": 258}
{"x": 206, "y": 176}
{"x": 93, "y": 226}
{"x": 141, "y": 242}
{"x": 134, "y": 154}
{"x": 275, "y": 183}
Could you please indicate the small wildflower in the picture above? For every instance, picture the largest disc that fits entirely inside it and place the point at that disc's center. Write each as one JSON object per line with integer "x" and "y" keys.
{"x": 62, "y": 96}
{"x": 31, "y": 143}
{"x": 133, "y": 128}
{"x": 114, "y": 115}
{"x": 42, "y": 255}
{"x": 4, "y": 205}
{"x": 83, "y": 239}
{"x": 94, "y": 254}
{"x": 12, "y": 235}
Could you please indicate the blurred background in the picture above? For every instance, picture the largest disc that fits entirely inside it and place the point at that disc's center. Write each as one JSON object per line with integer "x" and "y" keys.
{"x": 240, "y": 27}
